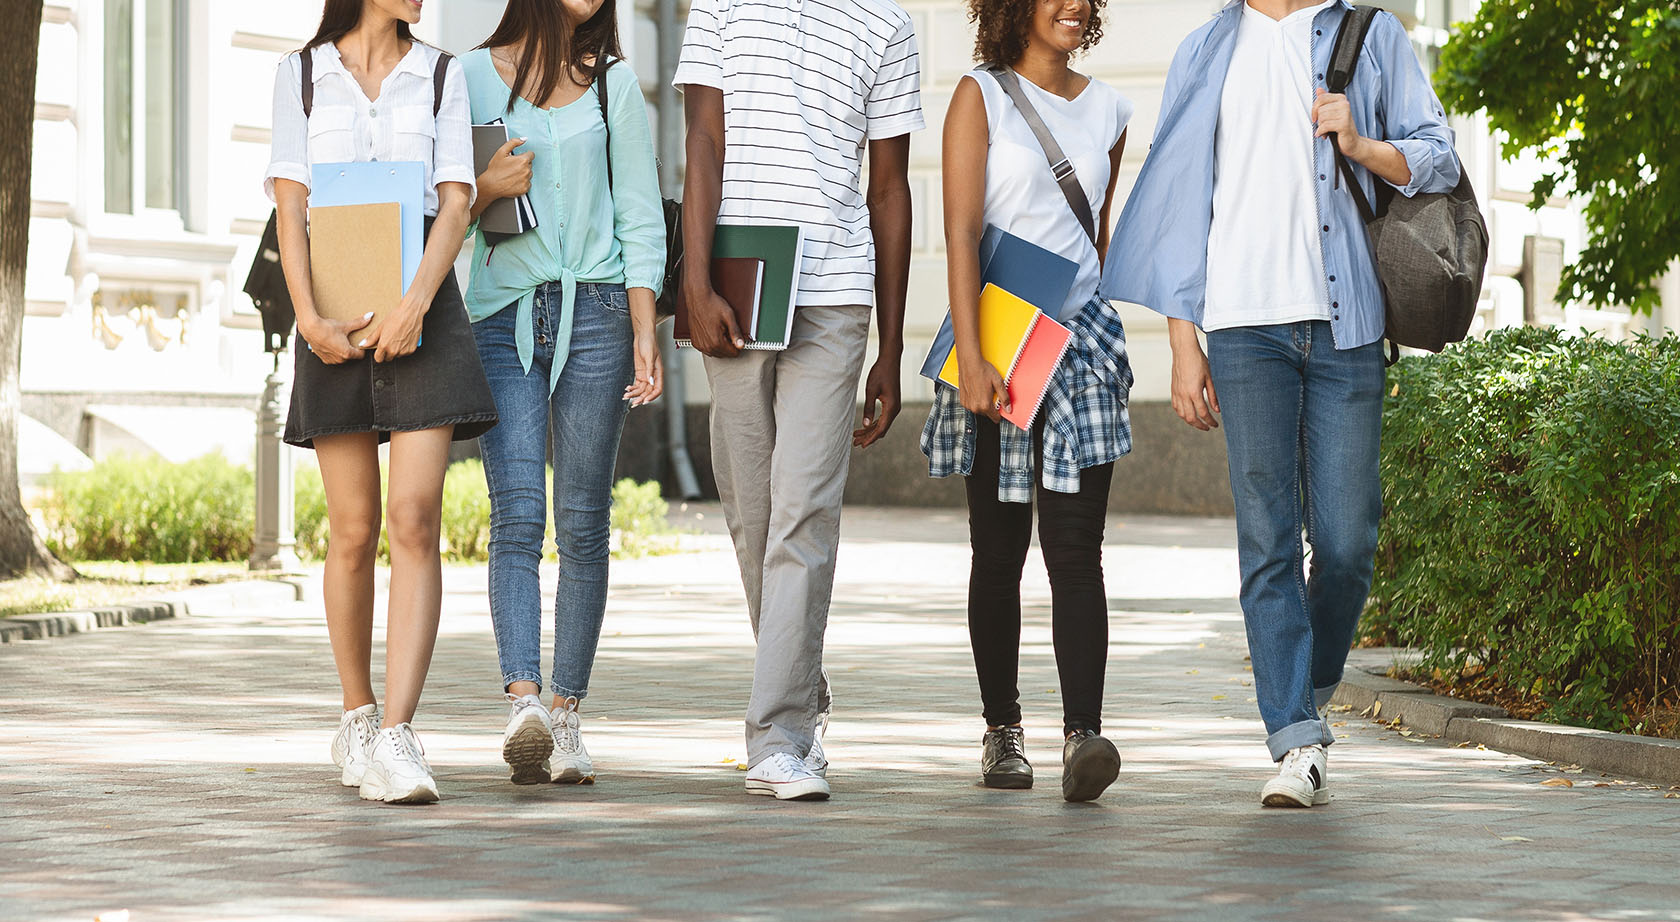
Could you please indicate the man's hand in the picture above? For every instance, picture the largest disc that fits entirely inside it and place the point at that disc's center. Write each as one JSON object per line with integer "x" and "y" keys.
{"x": 1332, "y": 115}
{"x": 330, "y": 339}
{"x": 1193, "y": 397}
{"x": 881, "y": 388}
{"x": 712, "y": 326}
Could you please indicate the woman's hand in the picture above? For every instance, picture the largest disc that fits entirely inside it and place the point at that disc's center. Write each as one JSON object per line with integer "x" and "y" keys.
{"x": 649, "y": 382}
{"x": 399, "y": 333}
{"x": 330, "y": 339}
{"x": 507, "y": 175}
{"x": 981, "y": 388}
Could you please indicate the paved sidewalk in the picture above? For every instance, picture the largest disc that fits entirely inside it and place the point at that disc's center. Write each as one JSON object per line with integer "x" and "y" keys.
{"x": 179, "y": 770}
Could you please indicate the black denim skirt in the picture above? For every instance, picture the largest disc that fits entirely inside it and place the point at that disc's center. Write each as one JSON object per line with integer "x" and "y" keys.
{"x": 439, "y": 384}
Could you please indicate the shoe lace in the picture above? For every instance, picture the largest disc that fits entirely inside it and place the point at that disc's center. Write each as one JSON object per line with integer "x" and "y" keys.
{"x": 1299, "y": 762}
{"x": 405, "y": 745}
{"x": 1014, "y": 743}
{"x": 788, "y": 764}
{"x": 568, "y": 732}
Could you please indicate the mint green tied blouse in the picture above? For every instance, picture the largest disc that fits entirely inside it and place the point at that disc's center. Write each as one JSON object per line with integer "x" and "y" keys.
{"x": 584, "y": 232}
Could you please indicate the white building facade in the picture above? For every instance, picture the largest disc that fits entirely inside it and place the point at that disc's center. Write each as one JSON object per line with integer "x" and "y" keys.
{"x": 151, "y": 137}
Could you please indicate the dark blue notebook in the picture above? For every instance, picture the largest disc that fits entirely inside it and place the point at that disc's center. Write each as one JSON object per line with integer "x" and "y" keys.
{"x": 1025, "y": 270}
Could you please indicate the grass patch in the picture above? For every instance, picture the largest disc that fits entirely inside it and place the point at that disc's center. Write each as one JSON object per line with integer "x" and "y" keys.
{"x": 109, "y": 582}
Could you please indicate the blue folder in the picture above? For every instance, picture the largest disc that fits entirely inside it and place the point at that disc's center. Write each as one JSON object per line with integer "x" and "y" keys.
{"x": 375, "y": 182}
{"x": 1026, "y": 270}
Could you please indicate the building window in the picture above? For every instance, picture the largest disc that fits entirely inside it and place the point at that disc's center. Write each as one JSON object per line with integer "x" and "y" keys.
{"x": 143, "y": 89}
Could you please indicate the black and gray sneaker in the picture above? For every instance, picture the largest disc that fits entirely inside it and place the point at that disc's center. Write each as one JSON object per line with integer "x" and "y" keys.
{"x": 1003, "y": 759}
{"x": 1090, "y": 764}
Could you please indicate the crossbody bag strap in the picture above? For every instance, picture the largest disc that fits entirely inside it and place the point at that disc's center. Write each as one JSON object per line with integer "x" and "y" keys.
{"x": 307, "y": 60}
{"x": 440, "y": 73}
{"x": 1344, "y": 58}
{"x": 1060, "y": 167}
{"x": 601, "y": 94}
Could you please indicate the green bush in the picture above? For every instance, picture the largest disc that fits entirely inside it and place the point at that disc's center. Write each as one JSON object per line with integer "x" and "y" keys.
{"x": 466, "y": 512}
{"x": 639, "y": 523}
{"x": 1532, "y": 519}
{"x": 147, "y": 508}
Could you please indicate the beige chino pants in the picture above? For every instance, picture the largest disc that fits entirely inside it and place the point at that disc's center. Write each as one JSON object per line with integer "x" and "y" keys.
{"x": 781, "y": 440}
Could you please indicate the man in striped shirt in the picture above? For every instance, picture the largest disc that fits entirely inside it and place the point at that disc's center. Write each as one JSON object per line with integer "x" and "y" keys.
{"x": 782, "y": 97}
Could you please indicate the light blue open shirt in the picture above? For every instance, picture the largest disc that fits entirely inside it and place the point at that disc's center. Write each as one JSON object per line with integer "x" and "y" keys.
{"x": 584, "y": 232}
{"x": 1158, "y": 257}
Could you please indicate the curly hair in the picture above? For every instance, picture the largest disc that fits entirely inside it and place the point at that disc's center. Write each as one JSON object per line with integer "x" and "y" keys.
{"x": 1001, "y": 28}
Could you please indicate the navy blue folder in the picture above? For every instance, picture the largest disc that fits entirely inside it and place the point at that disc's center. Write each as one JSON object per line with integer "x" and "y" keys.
{"x": 1026, "y": 270}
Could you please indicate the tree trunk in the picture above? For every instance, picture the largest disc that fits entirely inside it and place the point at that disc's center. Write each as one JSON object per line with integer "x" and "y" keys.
{"x": 21, "y": 549}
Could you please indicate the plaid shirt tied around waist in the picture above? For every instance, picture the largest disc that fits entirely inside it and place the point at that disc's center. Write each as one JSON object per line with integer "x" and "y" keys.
{"x": 1084, "y": 415}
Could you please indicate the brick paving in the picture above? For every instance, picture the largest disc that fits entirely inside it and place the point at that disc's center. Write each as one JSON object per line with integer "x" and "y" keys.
{"x": 178, "y": 770}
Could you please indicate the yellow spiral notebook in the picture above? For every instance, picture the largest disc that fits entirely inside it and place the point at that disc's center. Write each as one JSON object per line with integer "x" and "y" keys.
{"x": 1005, "y": 321}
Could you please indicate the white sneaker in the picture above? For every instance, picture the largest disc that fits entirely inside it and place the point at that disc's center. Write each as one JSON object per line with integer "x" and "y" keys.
{"x": 528, "y": 740}
{"x": 1302, "y": 781}
{"x": 571, "y": 764}
{"x": 786, "y": 777}
{"x": 397, "y": 771}
{"x": 350, "y": 744}
{"x": 816, "y": 761}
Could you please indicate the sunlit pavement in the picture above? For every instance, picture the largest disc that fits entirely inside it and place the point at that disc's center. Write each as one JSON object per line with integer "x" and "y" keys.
{"x": 179, "y": 771}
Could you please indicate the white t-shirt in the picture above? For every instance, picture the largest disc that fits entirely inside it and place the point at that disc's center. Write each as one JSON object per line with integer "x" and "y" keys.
{"x": 345, "y": 126}
{"x": 1022, "y": 196}
{"x": 1265, "y": 256}
{"x": 805, "y": 84}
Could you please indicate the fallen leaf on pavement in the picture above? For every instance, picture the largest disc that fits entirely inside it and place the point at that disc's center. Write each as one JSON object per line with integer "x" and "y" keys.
{"x": 1339, "y": 723}
{"x": 1219, "y": 697}
{"x": 1557, "y": 783}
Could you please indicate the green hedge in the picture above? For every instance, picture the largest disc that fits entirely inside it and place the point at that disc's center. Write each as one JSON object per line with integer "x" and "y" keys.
{"x": 147, "y": 508}
{"x": 1532, "y": 519}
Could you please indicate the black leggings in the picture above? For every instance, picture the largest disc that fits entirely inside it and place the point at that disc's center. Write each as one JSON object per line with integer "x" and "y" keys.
{"x": 1070, "y": 533}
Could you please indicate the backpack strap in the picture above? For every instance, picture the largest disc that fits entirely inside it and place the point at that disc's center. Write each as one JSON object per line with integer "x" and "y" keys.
{"x": 307, "y": 59}
{"x": 1344, "y": 58}
{"x": 1060, "y": 167}
{"x": 439, "y": 74}
{"x": 601, "y": 94}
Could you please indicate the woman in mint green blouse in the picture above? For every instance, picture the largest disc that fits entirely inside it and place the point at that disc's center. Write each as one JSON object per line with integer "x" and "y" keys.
{"x": 564, "y": 319}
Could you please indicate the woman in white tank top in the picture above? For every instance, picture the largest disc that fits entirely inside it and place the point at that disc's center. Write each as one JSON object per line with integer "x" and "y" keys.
{"x": 996, "y": 172}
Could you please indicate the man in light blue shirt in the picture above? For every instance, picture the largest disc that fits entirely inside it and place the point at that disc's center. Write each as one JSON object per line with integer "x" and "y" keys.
{"x": 1239, "y": 224}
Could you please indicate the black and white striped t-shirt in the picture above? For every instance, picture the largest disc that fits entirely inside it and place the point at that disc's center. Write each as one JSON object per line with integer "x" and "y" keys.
{"x": 805, "y": 83}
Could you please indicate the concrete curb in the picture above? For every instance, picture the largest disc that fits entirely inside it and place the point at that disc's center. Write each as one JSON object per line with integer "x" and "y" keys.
{"x": 241, "y": 594}
{"x": 1621, "y": 754}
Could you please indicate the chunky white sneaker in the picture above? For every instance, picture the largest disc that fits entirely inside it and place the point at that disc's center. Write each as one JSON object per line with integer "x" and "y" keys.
{"x": 1302, "y": 781}
{"x": 528, "y": 740}
{"x": 786, "y": 777}
{"x": 397, "y": 771}
{"x": 350, "y": 744}
{"x": 570, "y": 762}
{"x": 816, "y": 761}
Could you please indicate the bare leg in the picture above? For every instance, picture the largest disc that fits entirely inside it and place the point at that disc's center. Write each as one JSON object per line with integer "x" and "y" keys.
{"x": 350, "y": 476}
{"x": 413, "y": 513}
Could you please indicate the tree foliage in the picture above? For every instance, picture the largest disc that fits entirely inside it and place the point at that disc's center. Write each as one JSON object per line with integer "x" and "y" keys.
{"x": 1593, "y": 85}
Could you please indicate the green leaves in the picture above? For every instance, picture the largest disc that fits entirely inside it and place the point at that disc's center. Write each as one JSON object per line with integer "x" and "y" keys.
{"x": 1532, "y": 518}
{"x": 1593, "y": 82}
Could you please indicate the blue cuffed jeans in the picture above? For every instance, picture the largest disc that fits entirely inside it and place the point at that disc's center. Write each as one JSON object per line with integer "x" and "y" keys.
{"x": 1303, "y": 428}
{"x": 585, "y": 417}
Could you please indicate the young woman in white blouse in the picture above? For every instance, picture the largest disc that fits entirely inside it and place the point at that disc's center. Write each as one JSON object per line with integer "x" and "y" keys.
{"x": 996, "y": 172}
{"x": 363, "y": 89}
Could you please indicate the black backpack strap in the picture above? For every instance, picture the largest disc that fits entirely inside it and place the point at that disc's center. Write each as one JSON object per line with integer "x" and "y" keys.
{"x": 1344, "y": 58}
{"x": 1059, "y": 165}
{"x": 307, "y": 59}
{"x": 606, "y": 122}
{"x": 439, "y": 74}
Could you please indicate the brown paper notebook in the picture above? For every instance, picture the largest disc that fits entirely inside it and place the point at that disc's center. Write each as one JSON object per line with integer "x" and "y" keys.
{"x": 355, "y": 261}
{"x": 740, "y": 281}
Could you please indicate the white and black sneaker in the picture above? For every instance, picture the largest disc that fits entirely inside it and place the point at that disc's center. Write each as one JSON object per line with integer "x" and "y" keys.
{"x": 528, "y": 740}
{"x": 786, "y": 777}
{"x": 571, "y": 762}
{"x": 1302, "y": 780}
{"x": 351, "y": 743}
{"x": 397, "y": 771}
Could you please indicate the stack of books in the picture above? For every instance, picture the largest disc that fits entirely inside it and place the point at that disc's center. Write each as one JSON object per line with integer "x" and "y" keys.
{"x": 1024, "y": 285}
{"x": 756, "y": 269}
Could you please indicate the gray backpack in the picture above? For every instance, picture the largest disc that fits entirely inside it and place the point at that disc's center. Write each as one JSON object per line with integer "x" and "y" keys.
{"x": 1431, "y": 249}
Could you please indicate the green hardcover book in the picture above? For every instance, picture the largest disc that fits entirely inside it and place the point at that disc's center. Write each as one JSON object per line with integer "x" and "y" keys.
{"x": 782, "y": 247}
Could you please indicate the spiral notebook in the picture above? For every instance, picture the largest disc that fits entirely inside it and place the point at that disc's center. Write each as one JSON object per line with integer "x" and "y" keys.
{"x": 1023, "y": 343}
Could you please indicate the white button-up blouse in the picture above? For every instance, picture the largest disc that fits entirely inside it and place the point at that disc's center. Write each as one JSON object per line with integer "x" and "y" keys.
{"x": 344, "y": 125}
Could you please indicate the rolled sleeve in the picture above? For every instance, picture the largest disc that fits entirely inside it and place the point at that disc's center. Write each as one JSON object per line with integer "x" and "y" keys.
{"x": 452, "y": 151}
{"x": 638, "y": 215}
{"x": 288, "y": 156}
{"x": 894, "y": 104}
{"x": 701, "y": 61}
{"x": 1415, "y": 120}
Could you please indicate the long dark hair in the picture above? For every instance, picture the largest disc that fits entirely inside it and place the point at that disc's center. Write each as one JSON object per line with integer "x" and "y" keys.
{"x": 338, "y": 17}
{"x": 552, "y": 48}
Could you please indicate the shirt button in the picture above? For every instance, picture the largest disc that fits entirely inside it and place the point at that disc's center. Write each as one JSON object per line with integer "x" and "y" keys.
{"x": 1321, "y": 177}
{"x": 1327, "y": 228}
{"x": 1318, "y": 31}
{"x": 556, "y": 185}
{"x": 1335, "y": 304}
{"x": 373, "y": 111}
{"x": 1332, "y": 278}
